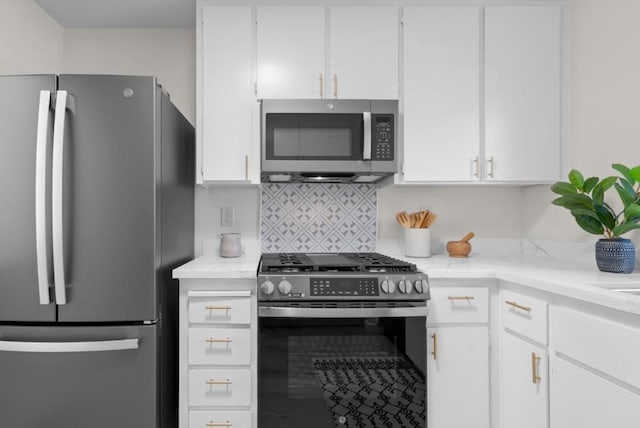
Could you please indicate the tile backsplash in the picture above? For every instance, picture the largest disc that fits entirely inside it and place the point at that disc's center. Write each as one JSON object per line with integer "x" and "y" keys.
{"x": 318, "y": 217}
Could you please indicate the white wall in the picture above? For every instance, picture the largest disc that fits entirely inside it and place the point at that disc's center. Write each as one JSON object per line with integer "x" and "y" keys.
{"x": 30, "y": 41}
{"x": 169, "y": 54}
{"x": 604, "y": 106}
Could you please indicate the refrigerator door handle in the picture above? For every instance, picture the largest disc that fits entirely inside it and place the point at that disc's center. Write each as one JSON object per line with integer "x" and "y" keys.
{"x": 42, "y": 248}
{"x": 64, "y": 102}
{"x": 58, "y": 347}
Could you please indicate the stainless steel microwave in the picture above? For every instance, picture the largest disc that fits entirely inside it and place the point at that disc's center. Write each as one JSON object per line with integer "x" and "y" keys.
{"x": 328, "y": 140}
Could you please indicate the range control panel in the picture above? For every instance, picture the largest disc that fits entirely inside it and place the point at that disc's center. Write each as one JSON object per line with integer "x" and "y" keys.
{"x": 382, "y": 137}
{"x": 344, "y": 287}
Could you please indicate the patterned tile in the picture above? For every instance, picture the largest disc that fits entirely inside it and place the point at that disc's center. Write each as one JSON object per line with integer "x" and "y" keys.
{"x": 302, "y": 217}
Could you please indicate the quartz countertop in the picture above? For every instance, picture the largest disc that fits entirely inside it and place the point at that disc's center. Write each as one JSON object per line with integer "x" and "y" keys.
{"x": 541, "y": 271}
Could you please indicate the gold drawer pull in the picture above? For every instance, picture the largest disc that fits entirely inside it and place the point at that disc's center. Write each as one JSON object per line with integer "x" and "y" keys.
{"x": 217, "y": 308}
{"x": 534, "y": 368}
{"x": 467, "y": 298}
{"x": 517, "y": 306}
{"x": 219, "y": 424}
{"x": 434, "y": 336}
{"x": 219, "y": 382}
{"x": 218, "y": 340}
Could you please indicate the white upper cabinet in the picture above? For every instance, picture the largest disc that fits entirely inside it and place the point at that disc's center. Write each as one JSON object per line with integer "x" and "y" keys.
{"x": 522, "y": 102}
{"x": 363, "y": 52}
{"x": 226, "y": 101}
{"x": 483, "y": 93}
{"x": 441, "y": 93}
{"x": 291, "y": 51}
{"x": 340, "y": 52}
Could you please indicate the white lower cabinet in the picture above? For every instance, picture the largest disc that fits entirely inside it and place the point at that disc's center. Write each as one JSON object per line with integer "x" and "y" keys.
{"x": 458, "y": 377}
{"x": 595, "y": 375}
{"x": 525, "y": 384}
{"x": 218, "y": 353}
{"x": 580, "y": 398}
{"x": 458, "y": 357}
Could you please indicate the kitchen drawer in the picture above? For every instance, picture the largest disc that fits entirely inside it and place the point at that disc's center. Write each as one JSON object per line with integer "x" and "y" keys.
{"x": 220, "y": 309}
{"x": 524, "y": 315}
{"x": 220, "y": 387}
{"x": 459, "y": 305}
{"x": 604, "y": 345}
{"x": 219, "y": 346}
{"x": 223, "y": 419}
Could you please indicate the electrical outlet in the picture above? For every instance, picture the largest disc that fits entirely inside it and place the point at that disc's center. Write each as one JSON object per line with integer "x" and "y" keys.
{"x": 227, "y": 217}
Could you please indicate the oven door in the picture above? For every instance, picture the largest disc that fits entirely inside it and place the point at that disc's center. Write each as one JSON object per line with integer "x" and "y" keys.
{"x": 342, "y": 365}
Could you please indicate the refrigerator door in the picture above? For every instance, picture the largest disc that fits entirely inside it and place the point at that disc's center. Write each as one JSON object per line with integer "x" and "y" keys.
{"x": 21, "y": 296}
{"x": 99, "y": 377}
{"x": 108, "y": 219}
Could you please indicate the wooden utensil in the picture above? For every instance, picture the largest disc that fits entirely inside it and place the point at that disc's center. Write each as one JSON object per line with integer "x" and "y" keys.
{"x": 460, "y": 248}
{"x": 403, "y": 219}
{"x": 428, "y": 220}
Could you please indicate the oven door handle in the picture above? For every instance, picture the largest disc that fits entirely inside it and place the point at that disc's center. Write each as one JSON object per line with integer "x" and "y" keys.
{"x": 298, "y": 312}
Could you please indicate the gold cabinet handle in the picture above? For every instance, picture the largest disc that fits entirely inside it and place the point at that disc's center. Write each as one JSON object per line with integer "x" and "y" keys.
{"x": 218, "y": 340}
{"x": 434, "y": 336}
{"x": 321, "y": 85}
{"x": 219, "y": 382}
{"x": 219, "y": 424}
{"x": 535, "y": 378}
{"x": 517, "y": 306}
{"x": 476, "y": 167}
{"x": 467, "y": 298}
{"x": 217, "y": 308}
{"x": 490, "y": 166}
{"x": 246, "y": 167}
{"x": 335, "y": 85}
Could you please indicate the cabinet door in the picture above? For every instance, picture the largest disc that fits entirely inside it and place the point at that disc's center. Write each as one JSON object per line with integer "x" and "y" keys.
{"x": 522, "y": 92}
{"x": 227, "y": 93}
{"x": 363, "y": 48}
{"x": 290, "y": 51}
{"x": 582, "y": 399}
{"x": 458, "y": 377}
{"x": 524, "y": 384}
{"x": 441, "y": 93}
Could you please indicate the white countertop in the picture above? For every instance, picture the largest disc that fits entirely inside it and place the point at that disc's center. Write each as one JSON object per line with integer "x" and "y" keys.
{"x": 542, "y": 271}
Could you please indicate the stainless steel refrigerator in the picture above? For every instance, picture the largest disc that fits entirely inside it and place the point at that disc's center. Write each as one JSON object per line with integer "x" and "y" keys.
{"x": 96, "y": 181}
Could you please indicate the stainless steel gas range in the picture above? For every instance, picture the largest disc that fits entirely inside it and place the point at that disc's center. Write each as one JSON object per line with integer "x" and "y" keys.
{"x": 342, "y": 341}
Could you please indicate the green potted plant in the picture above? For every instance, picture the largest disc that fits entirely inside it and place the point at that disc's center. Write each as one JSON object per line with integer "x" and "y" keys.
{"x": 585, "y": 199}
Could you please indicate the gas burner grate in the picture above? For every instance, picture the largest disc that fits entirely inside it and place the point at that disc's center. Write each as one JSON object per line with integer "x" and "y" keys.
{"x": 339, "y": 262}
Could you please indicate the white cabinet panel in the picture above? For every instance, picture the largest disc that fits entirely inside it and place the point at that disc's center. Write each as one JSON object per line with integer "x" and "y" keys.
{"x": 582, "y": 399}
{"x": 441, "y": 93}
{"x": 458, "y": 377}
{"x": 525, "y": 315}
{"x": 525, "y": 384}
{"x": 220, "y": 310}
{"x": 522, "y": 102}
{"x": 290, "y": 51}
{"x": 219, "y": 346}
{"x": 459, "y": 305}
{"x": 220, "y": 387}
{"x": 220, "y": 419}
{"x": 226, "y": 98}
{"x": 363, "y": 52}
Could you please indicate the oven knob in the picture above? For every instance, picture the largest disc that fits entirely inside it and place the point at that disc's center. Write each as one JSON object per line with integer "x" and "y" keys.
{"x": 388, "y": 286}
{"x": 404, "y": 286}
{"x": 421, "y": 286}
{"x": 284, "y": 287}
{"x": 267, "y": 287}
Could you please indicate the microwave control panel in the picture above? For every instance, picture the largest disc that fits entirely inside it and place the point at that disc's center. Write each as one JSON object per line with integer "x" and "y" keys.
{"x": 382, "y": 137}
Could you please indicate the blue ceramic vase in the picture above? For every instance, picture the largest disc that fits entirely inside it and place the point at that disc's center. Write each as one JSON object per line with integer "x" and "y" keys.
{"x": 615, "y": 255}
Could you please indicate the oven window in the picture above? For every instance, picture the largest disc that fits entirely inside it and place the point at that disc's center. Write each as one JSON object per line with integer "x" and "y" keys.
{"x": 326, "y": 373}
{"x": 305, "y": 136}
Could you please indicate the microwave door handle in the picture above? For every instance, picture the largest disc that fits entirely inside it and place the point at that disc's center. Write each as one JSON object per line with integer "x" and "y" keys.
{"x": 366, "y": 152}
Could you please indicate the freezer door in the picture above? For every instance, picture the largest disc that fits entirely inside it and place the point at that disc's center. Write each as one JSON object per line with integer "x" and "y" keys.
{"x": 20, "y": 299}
{"x": 98, "y": 377}
{"x": 109, "y": 211}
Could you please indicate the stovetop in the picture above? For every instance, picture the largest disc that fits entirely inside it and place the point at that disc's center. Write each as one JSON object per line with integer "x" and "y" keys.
{"x": 338, "y": 276}
{"x": 332, "y": 262}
